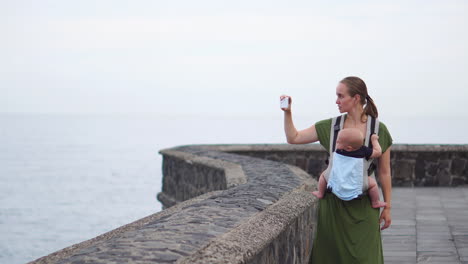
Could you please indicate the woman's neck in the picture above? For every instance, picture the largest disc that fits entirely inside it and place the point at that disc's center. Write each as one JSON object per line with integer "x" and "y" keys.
{"x": 354, "y": 116}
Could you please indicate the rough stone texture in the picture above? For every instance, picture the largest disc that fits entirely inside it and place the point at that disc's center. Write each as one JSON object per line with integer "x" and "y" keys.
{"x": 86, "y": 246}
{"x": 403, "y": 172}
{"x": 412, "y": 165}
{"x": 458, "y": 166}
{"x": 261, "y": 210}
{"x": 263, "y": 203}
{"x": 190, "y": 175}
{"x": 268, "y": 237}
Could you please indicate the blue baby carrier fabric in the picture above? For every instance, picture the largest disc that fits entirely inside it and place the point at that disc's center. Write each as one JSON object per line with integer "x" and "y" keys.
{"x": 346, "y": 177}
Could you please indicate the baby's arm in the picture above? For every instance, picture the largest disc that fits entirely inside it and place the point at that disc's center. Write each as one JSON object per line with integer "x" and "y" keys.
{"x": 322, "y": 186}
{"x": 376, "y": 149}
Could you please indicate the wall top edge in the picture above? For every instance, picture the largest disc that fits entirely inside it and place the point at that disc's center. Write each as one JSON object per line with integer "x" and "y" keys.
{"x": 313, "y": 147}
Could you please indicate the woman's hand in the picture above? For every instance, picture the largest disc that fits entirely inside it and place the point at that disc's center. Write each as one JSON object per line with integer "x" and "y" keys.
{"x": 385, "y": 217}
{"x": 305, "y": 136}
{"x": 290, "y": 102}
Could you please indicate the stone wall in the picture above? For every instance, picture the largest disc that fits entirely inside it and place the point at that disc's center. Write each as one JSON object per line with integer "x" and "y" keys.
{"x": 221, "y": 208}
{"x": 430, "y": 165}
{"x": 246, "y": 204}
{"x": 412, "y": 165}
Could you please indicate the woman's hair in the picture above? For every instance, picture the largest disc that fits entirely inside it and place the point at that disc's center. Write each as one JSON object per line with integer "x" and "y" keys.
{"x": 357, "y": 86}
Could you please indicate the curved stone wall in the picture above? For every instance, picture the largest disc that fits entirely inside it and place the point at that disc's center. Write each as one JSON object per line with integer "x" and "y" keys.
{"x": 221, "y": 208}
{"x": 266, "y": 206}
{"x": 412, "y": 165}
{"x": 246, "y": 204}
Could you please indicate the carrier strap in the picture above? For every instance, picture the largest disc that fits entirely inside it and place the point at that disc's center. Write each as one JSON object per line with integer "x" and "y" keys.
{"x": 372, "y": 127}
{"x": 372, "y": 130}
{"x": 336, "y": 129}
{"x": 337, "y": 125}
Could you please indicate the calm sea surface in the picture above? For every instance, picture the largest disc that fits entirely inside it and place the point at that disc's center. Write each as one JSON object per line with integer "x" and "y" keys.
{"x": 69, "y": 178}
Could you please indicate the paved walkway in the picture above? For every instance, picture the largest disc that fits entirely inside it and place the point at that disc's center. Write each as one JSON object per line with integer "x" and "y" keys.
{"x": 429, "y": 225}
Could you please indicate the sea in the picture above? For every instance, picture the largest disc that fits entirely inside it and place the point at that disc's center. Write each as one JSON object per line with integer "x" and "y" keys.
{"x": 66, "y": 178}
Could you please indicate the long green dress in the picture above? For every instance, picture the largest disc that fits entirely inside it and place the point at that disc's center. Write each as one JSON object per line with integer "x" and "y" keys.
{"x": 348, "y": 232}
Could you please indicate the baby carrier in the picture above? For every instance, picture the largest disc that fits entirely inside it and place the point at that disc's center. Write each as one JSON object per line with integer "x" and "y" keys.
{"x": 349, "y": 180}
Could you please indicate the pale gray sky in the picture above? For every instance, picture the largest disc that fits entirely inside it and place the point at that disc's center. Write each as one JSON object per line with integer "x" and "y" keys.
{"x": 231, "y": 57}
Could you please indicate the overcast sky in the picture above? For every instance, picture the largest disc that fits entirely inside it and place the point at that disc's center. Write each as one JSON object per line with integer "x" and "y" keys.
{"x": 231, "y": 57}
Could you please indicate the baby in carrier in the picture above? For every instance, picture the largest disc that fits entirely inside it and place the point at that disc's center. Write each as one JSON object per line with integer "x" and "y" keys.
{"x": 345, "y": 177}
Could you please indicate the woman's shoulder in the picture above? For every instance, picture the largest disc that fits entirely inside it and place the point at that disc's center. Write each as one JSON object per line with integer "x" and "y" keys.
{"x": 385, "y": 138}
{"x": 382, "y": 126}
{"x": 322, "y": 128}
{"x": 324, "y": 123}
{"x": 383, "y": 129}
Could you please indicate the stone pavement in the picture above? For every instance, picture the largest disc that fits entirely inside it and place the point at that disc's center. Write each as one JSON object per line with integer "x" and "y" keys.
{"x": 429, "y": 225}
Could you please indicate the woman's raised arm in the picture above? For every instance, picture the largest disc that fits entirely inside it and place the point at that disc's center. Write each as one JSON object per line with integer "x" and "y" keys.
{"x": 293, "y": 136}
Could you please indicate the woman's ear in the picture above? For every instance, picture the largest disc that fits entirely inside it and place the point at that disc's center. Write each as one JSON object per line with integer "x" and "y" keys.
{"x": 357, "y": 98}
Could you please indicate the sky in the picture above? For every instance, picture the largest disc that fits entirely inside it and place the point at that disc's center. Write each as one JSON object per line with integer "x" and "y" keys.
{"x": 232, "y": 58}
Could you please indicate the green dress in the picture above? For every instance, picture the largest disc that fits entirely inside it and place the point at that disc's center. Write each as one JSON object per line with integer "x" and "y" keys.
{"x": 347, "y": 232}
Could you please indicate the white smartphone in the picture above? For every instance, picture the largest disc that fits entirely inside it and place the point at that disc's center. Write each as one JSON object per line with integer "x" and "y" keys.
{"x": 284, "y": 103}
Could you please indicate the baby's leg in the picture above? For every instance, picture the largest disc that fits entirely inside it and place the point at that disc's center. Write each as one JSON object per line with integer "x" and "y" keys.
{"x": 322, "y": 185}
{"x": 374, "y": 194}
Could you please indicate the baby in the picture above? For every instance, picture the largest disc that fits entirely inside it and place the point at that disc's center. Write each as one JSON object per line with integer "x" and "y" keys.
{"x": 349, "y": 143}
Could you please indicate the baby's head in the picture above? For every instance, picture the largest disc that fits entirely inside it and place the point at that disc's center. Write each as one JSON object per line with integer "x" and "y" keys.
{"x": 349, "y": 139}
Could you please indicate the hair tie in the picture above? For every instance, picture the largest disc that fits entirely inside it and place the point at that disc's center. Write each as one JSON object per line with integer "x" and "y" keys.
{"x": 368, "y": 97}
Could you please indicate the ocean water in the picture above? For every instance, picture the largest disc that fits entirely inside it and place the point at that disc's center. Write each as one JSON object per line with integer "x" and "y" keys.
{"x": 68, "y": 178}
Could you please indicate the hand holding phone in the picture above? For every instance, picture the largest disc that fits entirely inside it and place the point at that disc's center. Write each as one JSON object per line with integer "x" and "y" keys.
{"x": 284, "y": 103}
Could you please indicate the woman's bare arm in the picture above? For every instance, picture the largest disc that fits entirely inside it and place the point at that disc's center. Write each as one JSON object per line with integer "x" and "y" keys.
{"x": 293, "y": 136}
{"x": 386, "y": 182}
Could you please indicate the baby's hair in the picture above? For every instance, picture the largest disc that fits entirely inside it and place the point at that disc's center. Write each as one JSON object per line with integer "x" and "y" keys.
{"x": 352, "y": 137}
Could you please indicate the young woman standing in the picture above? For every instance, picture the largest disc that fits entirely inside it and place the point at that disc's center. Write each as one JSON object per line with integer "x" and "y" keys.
{"x": 348, "y": 231}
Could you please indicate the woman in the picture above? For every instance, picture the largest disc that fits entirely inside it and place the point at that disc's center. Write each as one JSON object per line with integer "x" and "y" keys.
{"x": 348, "y": 231}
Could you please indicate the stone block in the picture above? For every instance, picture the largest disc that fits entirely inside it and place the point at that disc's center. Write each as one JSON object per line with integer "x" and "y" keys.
{"x": 429, "y": 156}
{"x": 408, "y": 155}
{"x": 401, "y": 183}
{"x": 403, "y": 169}
{"x": 420, "y": 169}
{"x": 316, "y": 167}
{"x": 457, "y": 181}
{"x": 432, "y": 168}
{"x": 301, "y": 163}
{"x": 431, "y": 181}
{"x": 275, "y": 156}
{"x": 316, "y": 155}
{"x": 443, "y": 174}
{"x": 458, "y": 166}
{"x": 291, "y": 160}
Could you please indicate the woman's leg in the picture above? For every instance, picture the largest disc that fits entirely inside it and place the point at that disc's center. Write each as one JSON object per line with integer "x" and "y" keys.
{"x": 374, "y": 194}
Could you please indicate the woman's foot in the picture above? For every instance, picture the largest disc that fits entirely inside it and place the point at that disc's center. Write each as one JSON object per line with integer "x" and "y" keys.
{"x": 378, "y": 204}
{"x": 318, "y": 194}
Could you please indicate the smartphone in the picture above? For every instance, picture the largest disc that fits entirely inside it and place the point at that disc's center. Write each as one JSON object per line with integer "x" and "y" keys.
{"x": 284, "y": 103}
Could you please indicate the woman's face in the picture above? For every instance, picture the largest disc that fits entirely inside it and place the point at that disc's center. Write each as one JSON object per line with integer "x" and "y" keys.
{"x": 344, "y": 101}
